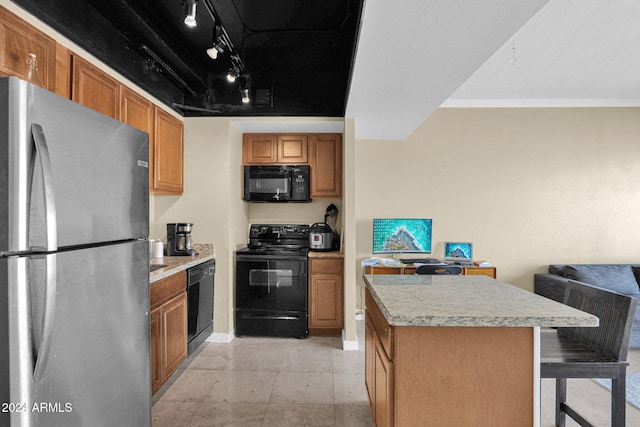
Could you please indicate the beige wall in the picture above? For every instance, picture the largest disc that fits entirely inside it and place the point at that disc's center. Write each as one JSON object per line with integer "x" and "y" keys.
{"x": 528, "y": 187}
{"x": 212, "y": 157}
{"x": 212, "y": 201}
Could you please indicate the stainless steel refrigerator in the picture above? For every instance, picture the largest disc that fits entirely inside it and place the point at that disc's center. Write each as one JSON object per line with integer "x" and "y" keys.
{"x": 74, "y": 264}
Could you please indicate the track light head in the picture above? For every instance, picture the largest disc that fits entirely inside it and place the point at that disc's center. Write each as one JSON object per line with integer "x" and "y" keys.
{"x": 244, "y": 94}
{"x": 244, "y": 87}
{"x": 190, "y": 8}
{"x": 233, "y": 73}
{"x": 217, "y": 48}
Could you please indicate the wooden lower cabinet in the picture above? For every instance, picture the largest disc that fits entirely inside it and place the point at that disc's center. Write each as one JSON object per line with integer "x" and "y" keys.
{"x": 378, "y": 377}
{"x": 378, "y": 365}
{"x": 383, "y": 382}
{"x": 325, "y": 296}
{"x": 168, "y": 326}
{"x": 448, "y": 376}
{"x": 156, "y": 332}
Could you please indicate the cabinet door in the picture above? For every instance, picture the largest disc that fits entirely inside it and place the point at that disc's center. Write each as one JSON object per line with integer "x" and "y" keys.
{"x": 326, "y": 165}
{"x": 292, "y": 149}
{"x": 17, "y": 40}
{"x": 259, "y": 149}
{"x": 369, "y": 361}
{"x": 138, "y": 112}
{"x": 174, "y": 334}
{"x": 156, "y": 333}
{"x": 326, "y": 309}
{"x": 325, "y": 296}
{"x": 168, "y": 153}
{"x": 383, "y": 402}
{"x": 93, "y": 88}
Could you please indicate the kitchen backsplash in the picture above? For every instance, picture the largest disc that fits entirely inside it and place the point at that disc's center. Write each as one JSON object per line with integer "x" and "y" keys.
{"x": 292, "y": 213}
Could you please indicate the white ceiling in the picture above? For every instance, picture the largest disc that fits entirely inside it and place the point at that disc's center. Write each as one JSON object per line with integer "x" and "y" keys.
{"x": 416, "y": 55}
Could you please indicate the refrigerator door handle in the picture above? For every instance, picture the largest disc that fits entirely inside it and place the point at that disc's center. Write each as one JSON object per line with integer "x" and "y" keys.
{"x": 41, "y": 353}
{"x": 42, "y": 149}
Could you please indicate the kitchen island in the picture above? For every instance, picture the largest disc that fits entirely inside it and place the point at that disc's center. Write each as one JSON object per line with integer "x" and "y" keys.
{"x": 456, "y": 350}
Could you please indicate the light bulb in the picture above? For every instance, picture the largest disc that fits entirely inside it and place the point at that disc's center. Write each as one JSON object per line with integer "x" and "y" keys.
{"x": 190, "y": 19}
{"x": 244, "y": 93}
{"x": 212, "y": 52}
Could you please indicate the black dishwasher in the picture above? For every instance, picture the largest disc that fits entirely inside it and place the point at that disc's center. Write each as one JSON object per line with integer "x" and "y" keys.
{"x": 200, "y": 303}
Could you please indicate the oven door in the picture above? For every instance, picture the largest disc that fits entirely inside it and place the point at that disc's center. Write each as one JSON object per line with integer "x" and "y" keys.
{"x": 269, "y": 282}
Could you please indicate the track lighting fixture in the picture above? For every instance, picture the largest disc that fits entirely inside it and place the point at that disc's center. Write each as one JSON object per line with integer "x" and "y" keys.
{"x": 244, "y": 93}
{"x": 244, "y": 89}
{"x": 217, "y": 48}
{"x": 234, "y": 72}
{"x": 190, "y": 7}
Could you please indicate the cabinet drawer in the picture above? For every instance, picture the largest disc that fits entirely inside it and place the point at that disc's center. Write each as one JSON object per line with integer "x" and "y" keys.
{"x": 382, "y": 328}
{"x": 326, "y": 266}
{"x": 479, "y": 271}
{"x": 167, "y": 288}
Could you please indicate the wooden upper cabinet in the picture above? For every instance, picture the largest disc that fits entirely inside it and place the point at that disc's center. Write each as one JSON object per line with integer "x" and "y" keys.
{"x": 325, "y": 158}
{"x": 270, "y": 149}
{"x": 168, "y": 153}
{"x": 136, "y": 111}
{"x": 292, "y": 149}
{"x": 322, "y": 152}
{"x": 17, "y": 40}
{"x": 259, "y": 149}
{"x": 94, "y": 88}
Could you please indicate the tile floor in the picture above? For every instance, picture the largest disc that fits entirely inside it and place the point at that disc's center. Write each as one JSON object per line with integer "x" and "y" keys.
{"x": 312, "y": 382}
{"x": 267, "y": 382}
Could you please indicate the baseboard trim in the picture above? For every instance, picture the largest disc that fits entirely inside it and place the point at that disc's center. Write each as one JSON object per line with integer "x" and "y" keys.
{"x": 221, "y": 337}
{"x": 349, "y": 345}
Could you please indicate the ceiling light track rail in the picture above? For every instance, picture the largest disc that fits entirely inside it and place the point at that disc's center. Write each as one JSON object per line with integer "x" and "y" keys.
{"x": 191, "y": 108}
{"x": 225, "y": 36}
{"x": 167, "y": 69}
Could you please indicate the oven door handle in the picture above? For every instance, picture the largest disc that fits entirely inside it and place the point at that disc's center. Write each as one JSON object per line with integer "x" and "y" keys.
{"x": 272, "y": 317}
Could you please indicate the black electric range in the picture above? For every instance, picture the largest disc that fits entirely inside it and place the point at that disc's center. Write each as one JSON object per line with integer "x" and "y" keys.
{"x": 271, "y": 281}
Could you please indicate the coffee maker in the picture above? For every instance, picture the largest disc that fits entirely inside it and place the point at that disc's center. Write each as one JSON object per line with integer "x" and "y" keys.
{"x": 179, "y": 239}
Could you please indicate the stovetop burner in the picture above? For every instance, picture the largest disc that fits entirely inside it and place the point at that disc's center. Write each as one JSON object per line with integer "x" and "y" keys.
{"x": 274, "y": 251}
{"x": 278, "y": 239}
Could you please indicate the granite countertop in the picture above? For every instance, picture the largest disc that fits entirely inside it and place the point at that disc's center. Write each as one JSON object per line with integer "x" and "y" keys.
{"x": 422, "y": 300}
{"x": 331, "y": 254}
{"x": 175, "y": 264}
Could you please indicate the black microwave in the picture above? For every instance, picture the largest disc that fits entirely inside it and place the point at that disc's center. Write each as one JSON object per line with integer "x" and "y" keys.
{"x": 286, "y": 183}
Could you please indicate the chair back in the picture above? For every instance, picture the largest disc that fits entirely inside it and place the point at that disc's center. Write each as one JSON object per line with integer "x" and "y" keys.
{"x": 615, "y": 311}
{"x": 435, "y": 269}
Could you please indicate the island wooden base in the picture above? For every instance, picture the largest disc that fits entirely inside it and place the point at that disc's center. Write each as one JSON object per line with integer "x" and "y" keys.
{"x": 449, "y": 376}
{"x": 455, "y": 376}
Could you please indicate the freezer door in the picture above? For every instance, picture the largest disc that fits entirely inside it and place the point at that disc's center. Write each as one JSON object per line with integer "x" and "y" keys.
{"x": 70, "y": 176}
{"x": 78, "y": 341}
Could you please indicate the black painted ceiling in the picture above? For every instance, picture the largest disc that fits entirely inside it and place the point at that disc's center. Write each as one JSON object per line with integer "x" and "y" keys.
{"x": 298, "y": 54}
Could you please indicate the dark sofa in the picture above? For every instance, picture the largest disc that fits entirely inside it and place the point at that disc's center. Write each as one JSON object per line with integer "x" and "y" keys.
{"x": 620, "y": 278}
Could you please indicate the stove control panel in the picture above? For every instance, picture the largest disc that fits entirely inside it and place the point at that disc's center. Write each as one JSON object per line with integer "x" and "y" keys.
{"x": 279, "y": 231}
